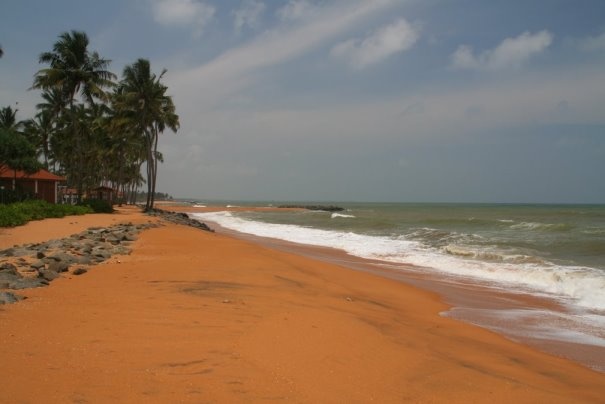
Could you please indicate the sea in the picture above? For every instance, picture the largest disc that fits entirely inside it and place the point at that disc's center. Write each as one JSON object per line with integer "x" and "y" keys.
{"x": 534, "y": 273}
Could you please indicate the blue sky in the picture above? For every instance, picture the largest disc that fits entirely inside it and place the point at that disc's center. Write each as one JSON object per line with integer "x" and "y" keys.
{"x": 363, "y": 100}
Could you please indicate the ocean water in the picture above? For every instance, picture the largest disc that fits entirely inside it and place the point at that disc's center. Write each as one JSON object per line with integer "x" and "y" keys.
{"x": 551, "y": 251}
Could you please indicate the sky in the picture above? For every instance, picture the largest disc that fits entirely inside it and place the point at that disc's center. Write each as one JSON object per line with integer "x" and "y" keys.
{"x": 352, "y": 100}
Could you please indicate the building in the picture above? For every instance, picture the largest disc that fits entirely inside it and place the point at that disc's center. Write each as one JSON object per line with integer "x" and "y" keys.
{"x": 102, "y": 194}
{"x": 40, "y": 185}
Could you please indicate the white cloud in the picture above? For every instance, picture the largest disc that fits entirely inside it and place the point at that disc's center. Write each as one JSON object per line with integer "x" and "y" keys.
{"x": 381, "y": 44}
{"x": 593, "y": 43}
{"x": 183, "y": 12}
{"x": 296, "y": 10}
{"x": 238, "y": 67}
{"x": 511, "y": 53}
{"x": 248, "y": 15}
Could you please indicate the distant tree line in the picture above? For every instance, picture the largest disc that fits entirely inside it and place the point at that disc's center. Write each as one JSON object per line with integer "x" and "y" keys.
{"x": 158, "y": 196}
{"x": 89, "y": 126}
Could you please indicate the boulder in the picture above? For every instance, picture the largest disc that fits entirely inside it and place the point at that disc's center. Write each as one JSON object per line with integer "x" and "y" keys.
{"x": 27, "y": 283}
{"x": 8, "y": 298}
{"x": 38, "y": 264}
{"x": 62, "y": 257}
{"x": 58, "y": 266}
{"x": 79, "y": 271}
{"x": 48, "y": 274}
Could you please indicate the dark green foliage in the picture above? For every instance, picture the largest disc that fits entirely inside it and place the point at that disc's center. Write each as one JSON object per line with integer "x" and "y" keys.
{"x": 16, "y": 152}
{"x": 98, "y": 206}
{"x": 17, "y": 214}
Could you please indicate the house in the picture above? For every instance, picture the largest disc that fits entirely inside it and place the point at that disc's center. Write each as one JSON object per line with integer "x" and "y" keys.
{"x": 41, "y": 184}
{"x": 102, "y": 194}
{"x": 68, "y": 196}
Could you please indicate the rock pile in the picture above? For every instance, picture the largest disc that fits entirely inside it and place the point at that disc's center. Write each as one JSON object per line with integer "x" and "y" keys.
{"x": 179, "y": 218}
{"x": 35, "y": 265}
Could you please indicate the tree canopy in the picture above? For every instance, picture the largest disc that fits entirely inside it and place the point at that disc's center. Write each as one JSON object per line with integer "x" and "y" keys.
{"x": 16, "y": 153}
{"x": 89, "y": 126}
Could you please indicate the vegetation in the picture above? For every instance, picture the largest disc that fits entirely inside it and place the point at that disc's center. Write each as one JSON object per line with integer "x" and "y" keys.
{"x": 17, "y": 214}
{"x": 98, "y": 206}
{"x": 16, "y": 152}
{"x": 158, "y": 196}
{"x": 90, "y": 127}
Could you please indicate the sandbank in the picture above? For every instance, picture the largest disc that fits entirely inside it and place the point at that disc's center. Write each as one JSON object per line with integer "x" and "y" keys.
{"x": 193, "y": 316}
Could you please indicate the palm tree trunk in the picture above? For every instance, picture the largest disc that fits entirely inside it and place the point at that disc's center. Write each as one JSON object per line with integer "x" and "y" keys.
{"x": 155, "y": 164}
{"x": 148, "y": 204}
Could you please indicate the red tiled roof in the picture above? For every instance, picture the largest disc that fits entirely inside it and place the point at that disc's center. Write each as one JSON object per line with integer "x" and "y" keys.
{"x": 42, "y": 174}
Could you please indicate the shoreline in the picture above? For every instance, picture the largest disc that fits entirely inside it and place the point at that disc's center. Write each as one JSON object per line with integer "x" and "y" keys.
{"x": 192, "y": 315}
{"x": 519, "y": 315}
{"x": 469, "y": 301}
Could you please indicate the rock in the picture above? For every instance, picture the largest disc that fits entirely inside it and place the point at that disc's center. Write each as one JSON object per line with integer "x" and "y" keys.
{"x": 62, "y": 257}
{"x": 9, "y": 252}
{"x": 8, "y": 298}
{"x": 40, "y": 255}
{"x": 48, "y": 275}
{"x": 10, "y": 275}
{"x": 38, "y": 264}
{"x": 84, "y": 260}
{"x": 58, "y": 266}
{"x": 129, "y": 237}
{"x": 27, "y": 283}
{"x": 112, "y": 240}
{"x": 79, "y": 271}
{"x": 28, "y": 269}
{"x": 325, "y": 208}
{"x": 8, "y": 267}
{"x": 19, "y": 251}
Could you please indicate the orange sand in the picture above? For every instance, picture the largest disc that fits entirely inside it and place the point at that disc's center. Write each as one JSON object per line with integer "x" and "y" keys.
{"x": 192, "y": 316}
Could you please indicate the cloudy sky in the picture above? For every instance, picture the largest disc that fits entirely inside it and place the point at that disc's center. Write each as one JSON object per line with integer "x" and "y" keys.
{"x": 353, "y": 100}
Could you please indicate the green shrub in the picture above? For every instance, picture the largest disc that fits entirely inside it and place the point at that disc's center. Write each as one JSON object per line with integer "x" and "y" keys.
{"x": 98, "y": 206}
{"x": 16, "y": 214}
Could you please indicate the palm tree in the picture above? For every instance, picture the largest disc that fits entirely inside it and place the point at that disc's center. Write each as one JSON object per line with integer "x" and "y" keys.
{"x": 142, "y": 98}
{"x": 8, "y": 119}
{"x": 39, "y": 131}
{"x": 74, "y": 71}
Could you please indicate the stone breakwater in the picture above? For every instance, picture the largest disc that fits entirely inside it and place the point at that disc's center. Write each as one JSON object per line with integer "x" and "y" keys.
{"x": 37, "y": 264}
{"x": 179, "y": 218}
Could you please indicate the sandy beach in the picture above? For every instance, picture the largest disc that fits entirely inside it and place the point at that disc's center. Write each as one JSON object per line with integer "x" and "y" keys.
{"x": 193, "y": 316}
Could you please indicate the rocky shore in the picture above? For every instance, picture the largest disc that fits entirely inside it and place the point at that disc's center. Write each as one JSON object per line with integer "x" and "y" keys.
{"x": 325, "y": 208}
{"x": 37, "y": 264}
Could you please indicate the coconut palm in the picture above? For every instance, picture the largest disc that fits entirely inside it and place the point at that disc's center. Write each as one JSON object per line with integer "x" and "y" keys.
{"x": 142, "y": 99}
{"x": 38, "y": 131}
{"x": 74, "y": 72}
{"x": 8, "y": 119}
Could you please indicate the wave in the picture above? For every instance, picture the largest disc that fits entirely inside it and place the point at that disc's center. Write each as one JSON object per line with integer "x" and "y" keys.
{"x": 492, "y": 254}
{"x": 583, "y": 286}
{"x": 541, "y": 226}
{"x": 199, "y": 206}
{"x": 337, "y": 215}
{"x": 232, "y": 206}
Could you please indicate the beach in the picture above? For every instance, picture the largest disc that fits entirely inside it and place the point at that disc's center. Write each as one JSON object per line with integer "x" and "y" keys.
{"x": 195, "y": 316}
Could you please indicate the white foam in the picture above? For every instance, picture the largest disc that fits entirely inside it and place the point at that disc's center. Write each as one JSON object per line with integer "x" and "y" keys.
{"x": 199, "y": 206}
{"x": 337, "y": 215}
{"x": 576, "y": 285}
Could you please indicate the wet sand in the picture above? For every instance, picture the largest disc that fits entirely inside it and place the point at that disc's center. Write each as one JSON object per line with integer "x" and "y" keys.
{"x": 192, "y": 316}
